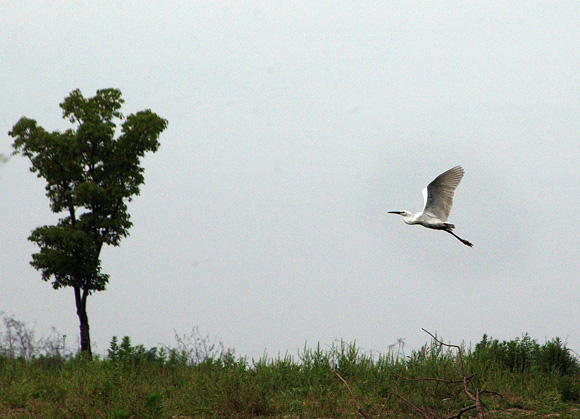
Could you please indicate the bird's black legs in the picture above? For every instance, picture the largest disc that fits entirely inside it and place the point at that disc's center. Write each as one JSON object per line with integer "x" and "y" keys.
{"x": 465, "y": 242}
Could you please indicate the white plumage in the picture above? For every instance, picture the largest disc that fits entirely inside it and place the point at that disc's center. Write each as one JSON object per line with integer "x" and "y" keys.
{"x": 438, "y": 200}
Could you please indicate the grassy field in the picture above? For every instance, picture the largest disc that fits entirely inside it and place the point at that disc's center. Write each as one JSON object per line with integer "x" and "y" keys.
{"x": 518, "y": 378}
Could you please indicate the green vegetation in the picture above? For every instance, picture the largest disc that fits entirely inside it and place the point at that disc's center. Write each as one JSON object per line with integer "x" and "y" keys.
{"x": 199, "y": 379}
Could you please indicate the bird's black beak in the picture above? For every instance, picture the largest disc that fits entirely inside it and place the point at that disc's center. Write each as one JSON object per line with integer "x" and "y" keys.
{"x": 396, "y": 212}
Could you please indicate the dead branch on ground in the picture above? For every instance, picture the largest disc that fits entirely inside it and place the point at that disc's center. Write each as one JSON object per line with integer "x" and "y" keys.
{"x": 427, "y": 413}
{"x": 465, "y": 380}
{"x": 358, "y": 408}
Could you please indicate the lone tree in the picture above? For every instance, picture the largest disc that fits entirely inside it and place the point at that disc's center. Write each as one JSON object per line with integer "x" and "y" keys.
{"x": 90, "y": 177}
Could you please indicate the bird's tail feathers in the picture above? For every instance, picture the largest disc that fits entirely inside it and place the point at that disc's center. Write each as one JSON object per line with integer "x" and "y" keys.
{"x": 449, "y": 226}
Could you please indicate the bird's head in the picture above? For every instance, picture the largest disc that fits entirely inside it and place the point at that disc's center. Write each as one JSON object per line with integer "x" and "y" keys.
{"x": 407, "y": 216}
{"x": 404, "y": 213}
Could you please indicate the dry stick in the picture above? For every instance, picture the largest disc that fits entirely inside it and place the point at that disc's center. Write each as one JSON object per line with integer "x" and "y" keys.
{"x": 465, "y": 380}
{"x": 478, "y": 404}
{"x": 462, "y": 411}
{"x": 358, "y": 408}
{"x": 473, "y": 406}
{"x": 421, "y": 411}
{"x": 495, "y": 393}
{"x": 440, "y": 380}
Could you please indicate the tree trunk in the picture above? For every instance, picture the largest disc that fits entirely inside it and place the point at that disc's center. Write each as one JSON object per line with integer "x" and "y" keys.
{"x": 81, "y": 303}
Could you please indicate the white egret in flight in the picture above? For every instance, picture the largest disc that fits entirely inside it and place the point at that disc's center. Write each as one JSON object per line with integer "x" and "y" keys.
{"x": 438, "y": 196}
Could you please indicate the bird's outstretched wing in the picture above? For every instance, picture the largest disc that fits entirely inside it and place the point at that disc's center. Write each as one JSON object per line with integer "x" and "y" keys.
{"x": 438, "y": 195}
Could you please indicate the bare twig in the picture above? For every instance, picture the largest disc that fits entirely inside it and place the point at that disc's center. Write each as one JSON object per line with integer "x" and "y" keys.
{"x": 419, "y": 410}
{"x": 425, "y": 412}
{"x": 439, "y": 380}
{"x": 490, "y": 392}
{"x": 462, "y": 411}
{"x": 358, "y": 408}
{"x": 475, "y": 398}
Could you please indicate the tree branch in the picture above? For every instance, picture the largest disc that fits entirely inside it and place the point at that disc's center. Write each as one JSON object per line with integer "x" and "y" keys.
{"x": 418, "y": 409}
{"x": 358, "y": 408}
{"x": 439, "y": 380}
{"x": 465, "y": 380}
{"x": 462, "y": 411}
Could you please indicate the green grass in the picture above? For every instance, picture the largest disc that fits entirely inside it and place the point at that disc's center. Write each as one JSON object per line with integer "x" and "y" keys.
{"x": 132, "y": 382}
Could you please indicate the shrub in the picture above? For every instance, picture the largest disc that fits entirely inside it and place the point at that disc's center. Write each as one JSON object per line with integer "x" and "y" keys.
{"x": 525, "y": 354}
{"x": 569, "y": 389}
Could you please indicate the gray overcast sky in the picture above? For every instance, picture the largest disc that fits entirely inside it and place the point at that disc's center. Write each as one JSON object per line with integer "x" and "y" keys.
{"x": 293, "y": 129}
